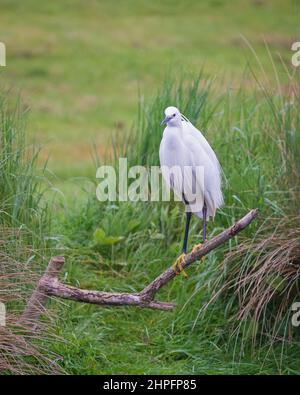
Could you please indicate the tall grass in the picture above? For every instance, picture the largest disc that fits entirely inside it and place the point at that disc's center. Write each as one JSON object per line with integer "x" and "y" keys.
{"x": 259, "y": 279}
{"x": 24, "y": 223}
{"x": 20, "y": 187}
{"x": 141, "y": 146}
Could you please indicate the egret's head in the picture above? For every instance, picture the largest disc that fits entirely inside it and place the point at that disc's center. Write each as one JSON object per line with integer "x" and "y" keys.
{"x": 172, "y": 116}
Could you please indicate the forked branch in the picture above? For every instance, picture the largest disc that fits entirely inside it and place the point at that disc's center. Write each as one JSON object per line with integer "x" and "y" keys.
{"x": 49, "y": 284}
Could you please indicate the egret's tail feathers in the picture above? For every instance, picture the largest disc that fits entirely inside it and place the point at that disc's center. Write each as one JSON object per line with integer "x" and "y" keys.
{"x": 212, "y": 205}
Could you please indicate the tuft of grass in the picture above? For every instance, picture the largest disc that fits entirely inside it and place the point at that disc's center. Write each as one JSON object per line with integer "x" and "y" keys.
{"x": 267, "y": 282}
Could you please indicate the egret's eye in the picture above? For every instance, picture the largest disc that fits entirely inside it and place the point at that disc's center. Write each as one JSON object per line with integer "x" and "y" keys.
{"x": 174, "y": 115}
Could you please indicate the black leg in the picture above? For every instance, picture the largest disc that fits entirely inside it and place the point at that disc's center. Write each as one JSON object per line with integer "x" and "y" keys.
{"x": 186, "y": 233}
{"x": 204, "y": 212}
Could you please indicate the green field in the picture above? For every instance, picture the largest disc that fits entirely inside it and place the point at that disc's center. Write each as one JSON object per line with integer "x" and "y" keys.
{"x": 79, "y": 67}
{"x": 100, "y": 73}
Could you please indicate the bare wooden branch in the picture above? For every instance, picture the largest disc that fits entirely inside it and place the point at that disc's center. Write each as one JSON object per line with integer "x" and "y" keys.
{"x": 35, "y": 306}
{"x": 49, "y": 285}
{"x": 166, "y": 276}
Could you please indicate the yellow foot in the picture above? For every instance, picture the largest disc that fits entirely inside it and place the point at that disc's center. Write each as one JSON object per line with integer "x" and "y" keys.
{"x": 178, "y": 265}
{"x": 196, "y": 248}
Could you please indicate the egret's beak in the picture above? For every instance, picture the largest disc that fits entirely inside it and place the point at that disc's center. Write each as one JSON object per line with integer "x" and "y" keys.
{"x": 166, "y": 120}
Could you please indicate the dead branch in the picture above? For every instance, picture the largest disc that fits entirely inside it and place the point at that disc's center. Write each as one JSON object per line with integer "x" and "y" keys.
{"x": 49, "y": 285}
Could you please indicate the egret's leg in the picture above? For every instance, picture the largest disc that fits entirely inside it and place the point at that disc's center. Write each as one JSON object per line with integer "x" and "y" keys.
{"x": 199, "y": 246}
{"x": 204, "y": 212}
{"x": 178, "y": 264}
{"x": 186, "y": 233}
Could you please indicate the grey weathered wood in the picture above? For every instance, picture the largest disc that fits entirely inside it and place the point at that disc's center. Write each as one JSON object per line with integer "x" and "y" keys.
{"x": 49, "y": 285}
{"x": 36, "y": 304}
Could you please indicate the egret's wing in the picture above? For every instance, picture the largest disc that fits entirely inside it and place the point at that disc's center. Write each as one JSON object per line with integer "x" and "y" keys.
{"x": 203, "y": 155}
{"x": 172, "y": 161}
{"x": 202, "y": 179}
{"x": 188, "y": 127}
{"x": 186, "y": 149}
{"x": 183, "y": 165}
{"x": 173, "y": 178}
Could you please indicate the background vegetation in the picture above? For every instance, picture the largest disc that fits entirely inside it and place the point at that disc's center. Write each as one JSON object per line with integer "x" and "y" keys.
{"x": 79, "y": 68}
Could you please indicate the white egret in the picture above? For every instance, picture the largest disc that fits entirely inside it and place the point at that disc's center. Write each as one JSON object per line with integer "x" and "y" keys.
{"x": 183, "y": 146}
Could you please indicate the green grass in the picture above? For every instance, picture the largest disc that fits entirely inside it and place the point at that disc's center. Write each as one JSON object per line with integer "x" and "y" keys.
{"x": 21, "y": 190}
{"x": 123, "y": 341}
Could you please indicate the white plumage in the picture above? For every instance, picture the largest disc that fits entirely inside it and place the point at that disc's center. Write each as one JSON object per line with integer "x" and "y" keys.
{"x": 184, "y": 145}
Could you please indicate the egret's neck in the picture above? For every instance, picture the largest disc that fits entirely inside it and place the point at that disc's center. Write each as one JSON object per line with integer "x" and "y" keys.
{"x": 173, "y": 135}
{"x": 176, "y": 126}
